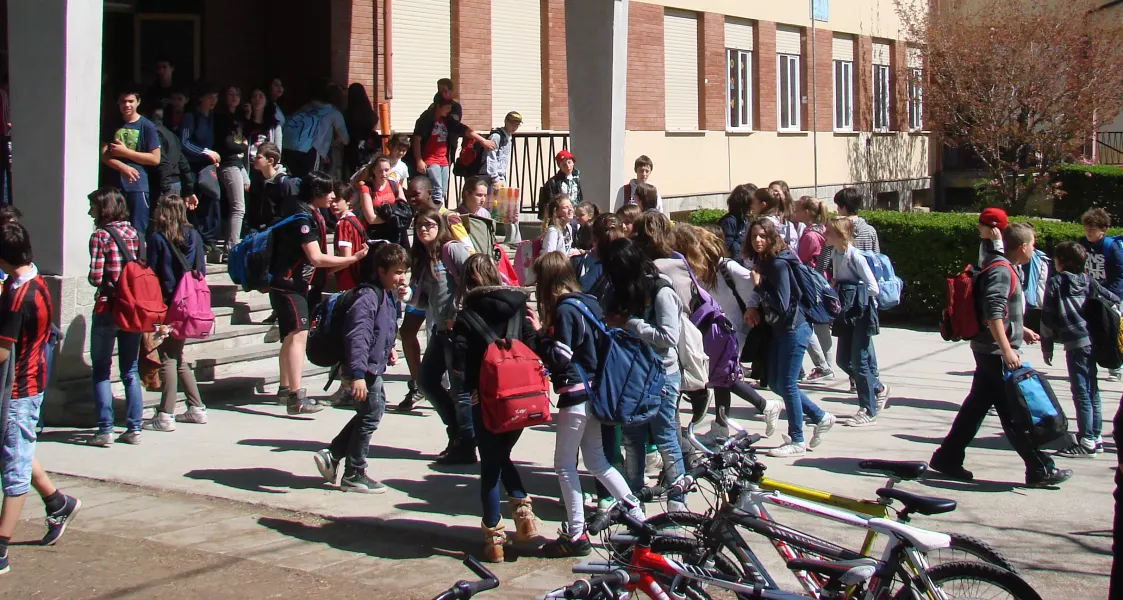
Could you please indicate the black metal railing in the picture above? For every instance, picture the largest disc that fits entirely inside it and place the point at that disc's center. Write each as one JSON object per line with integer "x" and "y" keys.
{"x": 532, "y": 163}
{"x": 1110, "y": 151}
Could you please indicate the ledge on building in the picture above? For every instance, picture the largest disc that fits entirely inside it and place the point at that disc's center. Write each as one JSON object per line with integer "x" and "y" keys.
{"x": 685, "y": 133}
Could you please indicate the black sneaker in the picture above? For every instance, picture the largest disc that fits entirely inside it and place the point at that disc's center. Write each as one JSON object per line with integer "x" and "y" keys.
{"x": 57, "y": 522}
{"x": 1077, "y": 450}
{"x": 413, "y": 396}
{"x": 565, "y": 547}
{"x": 359, "y": 482}
{"x": 1052, "y": 478}
{"x": 299, "y": 404}
{"x": 952, "y": 471}
{"x": 458, "y": 454}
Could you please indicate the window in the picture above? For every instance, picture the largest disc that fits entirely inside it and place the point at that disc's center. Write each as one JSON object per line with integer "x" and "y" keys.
{"x": 881, "y": 97}
{"x": 740, "y": 92}
{"x": 788, "y": 101}
{"x": 844, "y": 95}
{"x": 916, "y": 100}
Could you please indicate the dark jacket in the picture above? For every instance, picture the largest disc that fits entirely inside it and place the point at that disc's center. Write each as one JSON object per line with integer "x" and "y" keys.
{"x": 858, "y": 309}
{"x": 196, "y": 133}
{"x": 423, "y": 128}
{"x": 558, "y": 185}
{"x": 371, "y": 326}
{"x": 572, "y": 342}
{"x": 780, "y": 293}
{"x": 1062, "y": 315}
{"x": 1105, "y": 262}
{"x": 994, "y": 301}
{"x": 230, "y": 140}
{"x": 496, "y": 306}
{"x": 173, "y": 167}
{"x": 163, "y": 262}
{"x": 733, "y": 227}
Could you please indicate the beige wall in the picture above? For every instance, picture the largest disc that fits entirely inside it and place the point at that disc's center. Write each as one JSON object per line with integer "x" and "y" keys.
{"x": 877, "y": 18}
{"x": 715, "y": 162}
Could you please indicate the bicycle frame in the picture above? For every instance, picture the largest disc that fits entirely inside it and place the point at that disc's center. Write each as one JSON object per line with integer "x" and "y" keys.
{"x": 646, "y": 562}
{"x": 870, "y": 508}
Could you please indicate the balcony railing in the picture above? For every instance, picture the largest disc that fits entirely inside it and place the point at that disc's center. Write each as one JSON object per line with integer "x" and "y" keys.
{"x": 1110, "y": 147}
{"x": 532, "y": 163}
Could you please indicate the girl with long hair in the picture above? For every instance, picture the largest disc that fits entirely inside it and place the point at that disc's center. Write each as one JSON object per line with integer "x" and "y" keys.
{"x": 473, "y": 198}
{"x": 730, "y": 284}
{"x": 736, "y": 220}
{"x": 789, "y": 230}
{"x": 815, "y": 253}
{"x": 557, "y": 226}
{"x": 437, "y": 263}
{"x": 857, "y": 323}
{"x": 232, "y": 148}
{"x": 779, "y": 296}
{"x": 172, "y": 246}
{"x": 643, "y": 303}
{"x": 569, "y": 351}
{"x": 376, "y": 198}
{"x": 484, "y": 297}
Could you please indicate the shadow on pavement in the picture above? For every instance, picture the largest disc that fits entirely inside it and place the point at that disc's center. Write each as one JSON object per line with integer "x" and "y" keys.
{"x": 258, "y": 479}
{"x": 310, "y": 446}
{"x": 459, "y": 493}
{"x": 924, "y": 403}
{"x": 936, "y": 480}
{"x": 994, "y": 442}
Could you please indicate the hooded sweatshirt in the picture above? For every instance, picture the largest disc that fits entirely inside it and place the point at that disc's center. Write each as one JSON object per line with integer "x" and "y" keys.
{"x": 1105, "y": 262}
{"x": 994, "y": 300}
{"x": 1061, "y": 315}
{"x": 496, "y": 306}
{"x": 779, "y": 291}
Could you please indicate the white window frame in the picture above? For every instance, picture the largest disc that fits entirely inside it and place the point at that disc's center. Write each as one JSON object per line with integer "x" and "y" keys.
{"x": 916, "y": 99}
{"x": 790, "y": 64}
{"x": 739, "y": 62}
{"x": 882, "y": 97}
{"x": 843, "y": 91}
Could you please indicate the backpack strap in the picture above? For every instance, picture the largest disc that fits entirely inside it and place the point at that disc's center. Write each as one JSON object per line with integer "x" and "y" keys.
{"x": 585, "y": 312}
{"x": 179, "y": 255}
{"x": 477, "y": 324}
{"x": 514, "y": 328}
{"x": 723, "y": 268}
{"x": 1013, "y": 274}
{"x": 122, "y": 246}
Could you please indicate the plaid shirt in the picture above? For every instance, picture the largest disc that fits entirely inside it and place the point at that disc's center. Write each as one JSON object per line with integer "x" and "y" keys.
{"x": 105, "y": 257}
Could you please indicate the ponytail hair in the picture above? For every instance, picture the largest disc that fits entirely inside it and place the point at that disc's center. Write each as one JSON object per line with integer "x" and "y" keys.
{"x": 818, "y": 209}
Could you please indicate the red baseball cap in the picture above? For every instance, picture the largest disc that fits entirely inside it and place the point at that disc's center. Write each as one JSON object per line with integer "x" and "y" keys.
{"x": 993, "y": 217}
{"x": 563, "y": 155}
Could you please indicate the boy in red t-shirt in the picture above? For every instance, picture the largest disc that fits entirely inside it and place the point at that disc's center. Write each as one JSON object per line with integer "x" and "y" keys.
{"x": 433, "y": 143}
{"x": 25, "y": 323}
{"x": 350, "y": 235}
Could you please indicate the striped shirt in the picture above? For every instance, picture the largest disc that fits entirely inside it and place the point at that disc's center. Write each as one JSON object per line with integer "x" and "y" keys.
{"x": 25, "y": 320}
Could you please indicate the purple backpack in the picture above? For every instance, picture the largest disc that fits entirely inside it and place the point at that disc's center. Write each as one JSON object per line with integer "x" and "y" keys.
{"x": 189, "y": 312}
{"x": 719, "y": 338}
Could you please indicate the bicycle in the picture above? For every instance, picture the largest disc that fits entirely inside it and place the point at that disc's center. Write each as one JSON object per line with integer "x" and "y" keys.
{"x": 463, "y": 590}
{"x": 662, "y": 578}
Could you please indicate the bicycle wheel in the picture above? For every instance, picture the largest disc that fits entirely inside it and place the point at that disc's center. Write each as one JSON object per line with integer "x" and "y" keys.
{"x": 967, "y": 548}
{"x": 965, "y": 580}
{"x": 691, "y": 552}
{"x": 691, "y": 526}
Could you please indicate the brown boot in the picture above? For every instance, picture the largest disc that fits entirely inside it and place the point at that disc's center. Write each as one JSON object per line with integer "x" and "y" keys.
{"x": 494, "y": 538}
{"x": 525, "y": 527}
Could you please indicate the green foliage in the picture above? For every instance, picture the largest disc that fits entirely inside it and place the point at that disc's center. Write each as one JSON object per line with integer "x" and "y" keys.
{"x": 706, "y": 216}
{"x": 926, "y": 248}
{"x": 1089, "y": 186}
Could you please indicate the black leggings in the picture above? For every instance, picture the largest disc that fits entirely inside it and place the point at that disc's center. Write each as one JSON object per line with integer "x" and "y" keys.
{"x": 723, "y": 399}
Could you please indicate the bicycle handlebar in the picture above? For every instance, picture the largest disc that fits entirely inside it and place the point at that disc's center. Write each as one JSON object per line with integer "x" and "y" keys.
{"x": 463, "y": 590}
{"x": 582, "y": 588}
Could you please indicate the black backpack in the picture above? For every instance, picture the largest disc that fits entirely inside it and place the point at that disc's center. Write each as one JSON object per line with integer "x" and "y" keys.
{"x": 471, "y": 159}
{"x": 1104, "y": 328}
{"x": 327, "y": 339}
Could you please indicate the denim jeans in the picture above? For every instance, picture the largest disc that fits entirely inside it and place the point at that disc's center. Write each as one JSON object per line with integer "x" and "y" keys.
{"x": 855, "y": 349}
{"x": 663, "y": 429}
{"x": 138, "y": 209}
{"x": 495, "y": 467}
{"x": 439, "y": 175}
{"x": 454, "y": 408}
{"x": 1085, "y": 392}
{"x": 233, "y": 183}
{"x": 18, "y": 447}
{"x": 103, "y": 335}
{"x": 785, "y": 358}
{"x": 353, "y": 440}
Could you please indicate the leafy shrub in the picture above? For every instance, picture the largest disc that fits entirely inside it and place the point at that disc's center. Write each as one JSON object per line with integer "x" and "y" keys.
{"x": 1089, "y": 186}
{"x": 706, "y": 216}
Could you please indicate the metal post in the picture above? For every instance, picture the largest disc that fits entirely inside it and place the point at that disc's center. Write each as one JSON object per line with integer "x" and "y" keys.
{"x": 814, "y": 101}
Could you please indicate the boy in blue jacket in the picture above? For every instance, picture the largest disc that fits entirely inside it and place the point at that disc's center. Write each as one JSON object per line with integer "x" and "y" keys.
{"x": 1062, "y": 320}
{"x": 1105, "y": 258}
{"x": 371, "y": 325}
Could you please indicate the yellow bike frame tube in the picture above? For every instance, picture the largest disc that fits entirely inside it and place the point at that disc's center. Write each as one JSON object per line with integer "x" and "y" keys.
{"x": 864, "y": 507}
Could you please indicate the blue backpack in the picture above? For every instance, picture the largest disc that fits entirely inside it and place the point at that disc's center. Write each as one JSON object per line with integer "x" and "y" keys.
{"x": 889, "y": 285}
{"x": 300, "y": 129}
{"x": 1035, "y": 407}
{"x": 250, "y": 258}
{"x": 629, "y": 378}
{"x": 1036, "y": 275}
{"x": 818, "y": 299}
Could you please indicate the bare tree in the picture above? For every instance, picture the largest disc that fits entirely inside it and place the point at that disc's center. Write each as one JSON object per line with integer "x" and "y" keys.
{"x": 1025, "y": 83}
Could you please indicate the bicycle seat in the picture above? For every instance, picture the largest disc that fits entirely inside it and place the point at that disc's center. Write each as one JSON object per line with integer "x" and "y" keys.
{"x": 901, "y": 469}
{"x": 925, "y": 505}
{"x": 846, "y": 572}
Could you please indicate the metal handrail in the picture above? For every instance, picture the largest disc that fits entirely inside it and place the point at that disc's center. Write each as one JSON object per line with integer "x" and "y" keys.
{"x": 1113, "y": 141}
{"x": 532, "y": 163}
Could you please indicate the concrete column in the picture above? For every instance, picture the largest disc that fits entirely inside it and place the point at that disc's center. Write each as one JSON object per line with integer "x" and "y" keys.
{"x": 55, "y": 61}
{"x": 597, "y": 56}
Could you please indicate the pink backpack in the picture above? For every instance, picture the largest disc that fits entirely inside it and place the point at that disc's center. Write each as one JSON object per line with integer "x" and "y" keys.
{"x": 189, "y": 312}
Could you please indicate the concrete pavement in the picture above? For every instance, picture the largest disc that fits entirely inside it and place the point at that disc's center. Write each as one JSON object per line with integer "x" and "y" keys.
{"x": 252, "y": 452}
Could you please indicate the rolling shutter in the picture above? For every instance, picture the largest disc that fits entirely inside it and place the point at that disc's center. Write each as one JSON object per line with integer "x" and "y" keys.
{"x": 842, "y": 48}
{"x": 422, "y": 52}
{"x": 880, "y": 54}
{"x": 516, "y": 61}
{"x": 680, "y": 55}
{"x": 738, "y": 34}
{"x": 787, "y": 40}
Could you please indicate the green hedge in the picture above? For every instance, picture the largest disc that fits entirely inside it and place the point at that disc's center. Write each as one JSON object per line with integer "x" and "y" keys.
{"x": 1084, "y": 187}
{"x": 706, "y": 216}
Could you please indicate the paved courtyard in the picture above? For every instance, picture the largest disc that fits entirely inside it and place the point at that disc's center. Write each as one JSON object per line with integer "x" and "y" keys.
{"x": 245, "y": 486}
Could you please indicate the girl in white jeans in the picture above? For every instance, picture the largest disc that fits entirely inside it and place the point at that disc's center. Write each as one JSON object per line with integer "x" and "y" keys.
{"x": 569, "y": 351}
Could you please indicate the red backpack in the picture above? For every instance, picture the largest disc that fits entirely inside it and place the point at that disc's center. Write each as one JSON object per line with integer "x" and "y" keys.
{"x": 514, "y": 391}
{"x": 960, "y": 320}
{"x": 138, "y": 302}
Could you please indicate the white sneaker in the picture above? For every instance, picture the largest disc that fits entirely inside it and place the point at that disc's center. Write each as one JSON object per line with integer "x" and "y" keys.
{"x": 862, "y": 419}
{"x": 1099, "y": 444}
{"x": 193, "y": 414}
{"x": 161, "y": 422}
{"x": 821, "y": 427}
{"x": 883, "y": 397}
{"x": 788, "y": 449}
{"x": 771, "y": 416}
{"x": 653, "y": 464}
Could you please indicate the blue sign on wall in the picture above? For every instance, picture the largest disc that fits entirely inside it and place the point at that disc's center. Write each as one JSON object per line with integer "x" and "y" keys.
{"x": 820, "y": 10}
